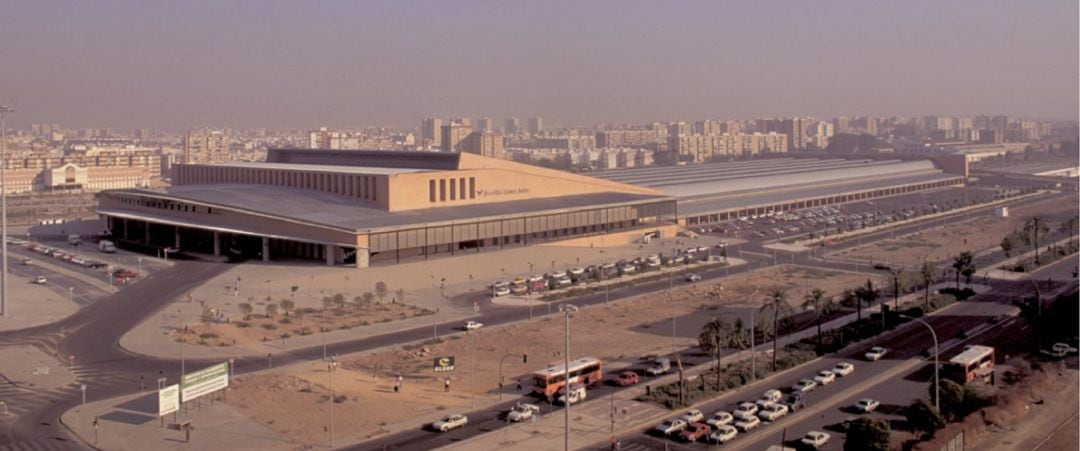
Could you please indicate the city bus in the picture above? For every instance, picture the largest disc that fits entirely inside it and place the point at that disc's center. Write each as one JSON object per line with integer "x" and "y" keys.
{"x": 585, "y": 371}
{"x": 975, "y": 363}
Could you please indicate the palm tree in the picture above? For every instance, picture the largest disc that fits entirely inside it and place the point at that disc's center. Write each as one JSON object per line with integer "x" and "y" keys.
{"x": 821, "y": 305}
{"x": 778, "y": 302}
{"x": 867, "y": 294}
{"x": 963, "y": 264}
{"x": 1069, "y": 226}
{"x": 1032, "y": 228}
{"x": 927, "y": 271}
{"x": 715, "y": 335}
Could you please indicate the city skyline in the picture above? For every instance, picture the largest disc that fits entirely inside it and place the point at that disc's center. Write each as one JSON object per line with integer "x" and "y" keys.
{"x": 181, "y": 66}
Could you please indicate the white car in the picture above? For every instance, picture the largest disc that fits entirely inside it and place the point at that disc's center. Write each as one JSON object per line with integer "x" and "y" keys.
{"x": 773, "y": 412}
{"x": 745, "y": 410}
{"x": 843, "y": 369}
{"x": 450, "y": 422}
{"x": 720, "y": 418}
{"x": 577, "y": 394}
{"x": 815, "y": 439}
{"x": 522, "y": 412}
{"x": 670, "y": 427}
{"x": 876, "y": 353}
{"x": 40, "y": 280}
{"x": 804, "y": 385}
{"x": 769, "y": 397}
{"x": 693, "y": 416}
{"x": 473, "y": 325}
{"x": 1063, "y": 347}
{"x": 825, "y": 377}
{"x": 747, "y": 424}
{"x": 693, "y": 278}
{"x": 502, "y": 291}
{"x": 723, "y": 434}
{"x": 500, "y": 284}
{"x": 867, "y": 405}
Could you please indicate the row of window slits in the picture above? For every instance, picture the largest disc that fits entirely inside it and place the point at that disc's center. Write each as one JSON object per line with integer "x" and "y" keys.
{"x": 437, "y": 189}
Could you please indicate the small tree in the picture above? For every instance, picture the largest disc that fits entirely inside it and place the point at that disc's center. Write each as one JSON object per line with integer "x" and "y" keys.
{"x": 952, "y": 399}
{"x": 286, "y": 305}
{"x": 339, "y": 300}
{"x": 399, "y": 295}
{"x": 927, "y": 271}
{"x": 867, "y": 434}
{"x": 777, "y": 301}
{"x": 292, "y": 291}
{"x": 381, "y": 291}
{"x": 1069, "y": 226}
{"x": 367, "y": 297}
{"x": 921, "y": 416}
{"x": 271, "y": 310}
{"x": 246, "y": 309}
{"x": 328, "y": 302}
{"x": 1007, "y": 244}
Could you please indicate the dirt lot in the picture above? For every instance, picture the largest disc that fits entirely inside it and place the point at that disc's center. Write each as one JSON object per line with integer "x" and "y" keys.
{"x": 611, "y": 332}
{"x": 264, "y": 327}
{"x": 943, "y": 243}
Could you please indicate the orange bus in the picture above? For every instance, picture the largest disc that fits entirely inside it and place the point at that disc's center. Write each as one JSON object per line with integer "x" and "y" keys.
{"x": 975, "y": 363}
{"x": 549, "y": 381}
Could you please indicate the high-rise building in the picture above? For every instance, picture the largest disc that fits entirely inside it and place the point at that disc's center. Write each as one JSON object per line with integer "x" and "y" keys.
{"x": 488, "y": 144}
{"x": 485, "y": 124}
{"x": 512, "y": 126}
{"x": 795, "y": 129}
{"x": 535, "y": 125}
{"x": 206, "y": 146}
{"x": 454, "y": 133}
{"x": 431, "y": 131}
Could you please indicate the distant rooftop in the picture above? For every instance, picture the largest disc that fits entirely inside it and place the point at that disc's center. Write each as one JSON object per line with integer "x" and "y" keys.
{"x": 401, "y": 159}
{"x": 324, "y": 168}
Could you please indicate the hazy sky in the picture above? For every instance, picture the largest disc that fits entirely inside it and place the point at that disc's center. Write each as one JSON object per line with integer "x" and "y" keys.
{"x": 177, "y": 64}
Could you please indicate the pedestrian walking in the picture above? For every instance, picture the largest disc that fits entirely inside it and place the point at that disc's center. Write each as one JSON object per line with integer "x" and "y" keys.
{"x": 519, "y": 385}
{"x": 446, "y": 386}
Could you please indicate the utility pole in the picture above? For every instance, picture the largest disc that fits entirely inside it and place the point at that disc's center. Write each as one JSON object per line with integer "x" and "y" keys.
{"x": 330, "y": 376}
{"x": 3, "y": 209}
{"x": 567, "y": 309}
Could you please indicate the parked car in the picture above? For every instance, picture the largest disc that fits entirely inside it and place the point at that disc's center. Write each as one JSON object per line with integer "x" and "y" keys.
{"x": 502, "y": 291}
{"x": 773, "y": 412}
{"x": 825, "y": 377}
{"x": 522, "y": 412}
{"x": 694, "y": 432}
{"x": 660, "y": 366}
{"x": 747, "y": 424}
{"x": 693, "y": 416}
{"x": 720, "y": 418}
{"x": 815, "y": 439}
{"x": 723, "y": 434}
{"x": 27, "y": 261}
{"x": 745, "y": 410}
{"x": 693, "y": 278}
{"x": 517, "y": 290}
{"x": 804, "y": 385}
{"x": 670, "y": 427}
{"x": 843, "y": 369}
{"x": 450, "y": 422}
{"x": 876, "y": 353}
{"x": 627, "y": 378}
{"x": 867, "y": 405}
{"x": 472, "y": 325}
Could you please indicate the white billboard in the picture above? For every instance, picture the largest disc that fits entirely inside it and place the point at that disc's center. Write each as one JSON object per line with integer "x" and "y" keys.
{"x": 204, "y": 381}
{"x": 168, "y": 400}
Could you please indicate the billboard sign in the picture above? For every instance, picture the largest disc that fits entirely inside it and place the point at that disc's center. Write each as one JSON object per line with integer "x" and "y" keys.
{"x": 168, "y": 400}
{"x": 204, "y": 381}
{"x": 444, "y": 364}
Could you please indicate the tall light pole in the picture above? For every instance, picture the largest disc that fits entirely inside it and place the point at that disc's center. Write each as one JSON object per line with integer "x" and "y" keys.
{"x": 567, "y": 310}
{"x": 330, "y": 367}
{"x": 3, "y": 208}
{"x": 937, "y": 385}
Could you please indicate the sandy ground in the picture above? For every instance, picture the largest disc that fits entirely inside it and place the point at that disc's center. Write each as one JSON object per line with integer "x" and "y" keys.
{"x": 629, "y": 326}
{"x": 30, "y": 305}
{"x": 261, "y": 327}
{"x": 943, "y": 243}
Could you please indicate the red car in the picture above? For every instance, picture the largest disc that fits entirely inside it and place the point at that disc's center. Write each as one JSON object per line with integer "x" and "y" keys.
{"x": 627, "y": 378}
{"x": 694, "y": 432}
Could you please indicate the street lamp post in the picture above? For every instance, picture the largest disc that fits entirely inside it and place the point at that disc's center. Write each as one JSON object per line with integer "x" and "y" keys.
{"x": 567, "y": 310}
{"x": 937, "y": 385}
{"x": 3, "y": 209}
{"x": 330, "y": 367}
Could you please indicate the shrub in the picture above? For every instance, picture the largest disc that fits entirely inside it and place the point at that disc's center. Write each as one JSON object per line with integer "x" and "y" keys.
{"x": 268, "y": 326}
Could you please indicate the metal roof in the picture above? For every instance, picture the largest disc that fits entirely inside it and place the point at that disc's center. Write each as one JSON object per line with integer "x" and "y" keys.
{"x": 342, "y": 212}
{"x": 367, "y": 170}
{"x": 972, "y": 355}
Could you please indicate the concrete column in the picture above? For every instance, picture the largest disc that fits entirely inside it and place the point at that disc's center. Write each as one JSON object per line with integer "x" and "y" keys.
{"x": 217, "y": 243}
{"x": 266, "y": 249}
{"x": 146, "y": 233}
{"x": 176, "y": 242}
{"x": 328, "y": 254}
{"x": 363, "y": 258}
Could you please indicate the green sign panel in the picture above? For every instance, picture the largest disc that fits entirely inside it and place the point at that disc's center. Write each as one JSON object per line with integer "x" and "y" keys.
{"x": 204, "y": 381}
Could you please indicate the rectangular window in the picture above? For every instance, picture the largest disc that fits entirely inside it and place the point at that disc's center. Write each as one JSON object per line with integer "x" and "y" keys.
{"x": 453, "y": 189}
{"x": 442, "y": 190}
{"x": 472, "y": 187}
{"x": 431, "y": 190}
{"x": 461, "y": 187}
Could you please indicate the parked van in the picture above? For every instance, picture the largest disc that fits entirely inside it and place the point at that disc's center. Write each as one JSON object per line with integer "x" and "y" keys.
{"x": 106, "y": 246}
{"x": 74, "y": 240}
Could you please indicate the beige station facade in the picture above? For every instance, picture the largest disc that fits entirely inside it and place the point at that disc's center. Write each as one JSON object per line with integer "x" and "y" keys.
{"x": 373, "y": 207}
